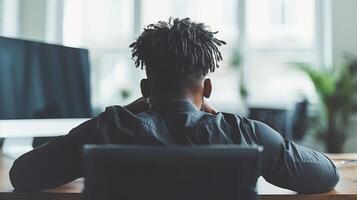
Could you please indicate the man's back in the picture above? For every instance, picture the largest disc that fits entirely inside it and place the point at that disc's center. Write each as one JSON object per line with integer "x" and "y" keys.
{"x": 285, "y": 164}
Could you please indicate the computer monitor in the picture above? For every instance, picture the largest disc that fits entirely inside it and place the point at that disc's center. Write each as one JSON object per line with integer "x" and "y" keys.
{"x": 176, "y": 172}
{"x": 44, "y": 88}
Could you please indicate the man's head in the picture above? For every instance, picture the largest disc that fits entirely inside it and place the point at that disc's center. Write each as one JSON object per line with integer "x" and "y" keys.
{"x": 177, "y": 55}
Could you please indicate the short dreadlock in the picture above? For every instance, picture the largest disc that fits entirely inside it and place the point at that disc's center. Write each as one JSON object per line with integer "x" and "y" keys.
{"x": 179, "y": 45}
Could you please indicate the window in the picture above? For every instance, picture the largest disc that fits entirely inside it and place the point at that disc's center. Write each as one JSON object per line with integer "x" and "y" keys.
{"x": 283, "y": 12}
{"x": 219, "y": 15}
{"x": 106, "y": 28}
{"x": 274, "y": 33}
{"x": 280, "y": 24}
{"x": 266, "y": 35}
{"x": 279, "y": 34}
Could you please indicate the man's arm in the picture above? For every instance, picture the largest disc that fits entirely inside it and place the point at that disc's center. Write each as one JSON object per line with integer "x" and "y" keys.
{"x": 60, "y": 161}
{"x": 56, "y": 162}
{"x": 294, "y": 167}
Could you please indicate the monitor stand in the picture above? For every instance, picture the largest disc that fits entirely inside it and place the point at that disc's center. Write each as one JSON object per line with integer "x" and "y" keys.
{"x": 15, "y": 147}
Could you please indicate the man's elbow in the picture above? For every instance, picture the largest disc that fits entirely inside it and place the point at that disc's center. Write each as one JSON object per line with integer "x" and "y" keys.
{"x": 331, "y": 181}
{"x": 15, "y": 175}
{"x": 321, "y": 183}
{"x": 19, "y": 177}
{"x": 331, "y": 176}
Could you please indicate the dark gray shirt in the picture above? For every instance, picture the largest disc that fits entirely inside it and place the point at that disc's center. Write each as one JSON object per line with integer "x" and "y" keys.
{"x": 285, "y": 164}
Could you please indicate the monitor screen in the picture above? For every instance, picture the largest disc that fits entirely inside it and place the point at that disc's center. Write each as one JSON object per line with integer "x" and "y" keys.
{"x": 43, "y": 81}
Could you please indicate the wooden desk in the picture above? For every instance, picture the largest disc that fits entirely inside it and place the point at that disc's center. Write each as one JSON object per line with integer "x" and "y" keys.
{"x": 346, "y": 188}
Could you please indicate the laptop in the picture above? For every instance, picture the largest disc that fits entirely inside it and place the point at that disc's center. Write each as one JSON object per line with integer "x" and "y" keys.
{"x": 177, "y": 172}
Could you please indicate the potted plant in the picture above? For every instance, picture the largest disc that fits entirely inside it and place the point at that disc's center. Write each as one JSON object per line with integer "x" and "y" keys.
{"x": 337, "y": 92}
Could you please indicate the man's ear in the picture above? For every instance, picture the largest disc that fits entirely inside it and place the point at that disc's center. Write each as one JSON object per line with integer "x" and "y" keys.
{"x": 145, "y": 87}
{"x": 207, "y": 88}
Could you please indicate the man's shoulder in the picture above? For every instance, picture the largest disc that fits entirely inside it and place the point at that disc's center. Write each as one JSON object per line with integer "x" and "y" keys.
{"x": 120, "y": 114}
{"x": 115, "y": 109}
{"x": 117, "y": 115}
{"x": 236, "y": 119}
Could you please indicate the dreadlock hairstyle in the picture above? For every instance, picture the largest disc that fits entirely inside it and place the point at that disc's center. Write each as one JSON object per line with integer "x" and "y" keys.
{"x": 179, "y": 46}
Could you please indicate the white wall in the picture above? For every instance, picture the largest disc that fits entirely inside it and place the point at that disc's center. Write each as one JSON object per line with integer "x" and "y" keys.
{"x": 39, "y": 20}
{"x": 344, "y": 29}
{"x": 32, "y": 19}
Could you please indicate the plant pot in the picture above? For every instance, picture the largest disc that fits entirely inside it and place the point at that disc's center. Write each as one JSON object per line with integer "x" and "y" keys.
{"x": 334, "y": 142}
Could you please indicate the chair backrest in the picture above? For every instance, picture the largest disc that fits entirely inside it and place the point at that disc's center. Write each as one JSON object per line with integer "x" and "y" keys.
{"x": 170, "y": 173}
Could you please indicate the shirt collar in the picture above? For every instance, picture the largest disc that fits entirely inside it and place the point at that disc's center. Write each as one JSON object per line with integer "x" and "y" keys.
{"x": 173, "y": 106}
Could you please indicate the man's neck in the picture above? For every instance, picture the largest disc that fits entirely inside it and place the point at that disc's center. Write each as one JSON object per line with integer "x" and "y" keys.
{"x": 160, "y": 99}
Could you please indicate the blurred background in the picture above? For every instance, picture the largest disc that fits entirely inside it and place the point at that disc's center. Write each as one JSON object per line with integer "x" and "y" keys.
{"x": 285, "y": 61}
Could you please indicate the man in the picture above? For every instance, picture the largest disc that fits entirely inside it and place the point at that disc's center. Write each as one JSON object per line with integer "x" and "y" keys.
{"x": 177, "y": 55}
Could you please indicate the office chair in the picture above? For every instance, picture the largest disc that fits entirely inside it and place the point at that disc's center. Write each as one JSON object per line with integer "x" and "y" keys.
{"x": 300, "y": 120}
{"x": 277, "y": 118}
{"x": 171, "y": 173}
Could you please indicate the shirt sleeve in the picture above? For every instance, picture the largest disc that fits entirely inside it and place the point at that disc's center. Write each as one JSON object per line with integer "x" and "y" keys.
{"x": 56, "y": 162}
{"x": 290, "y": 166}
